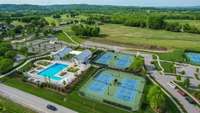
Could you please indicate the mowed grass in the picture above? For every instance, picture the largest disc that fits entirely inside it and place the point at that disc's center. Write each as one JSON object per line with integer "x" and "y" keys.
{"x": 63, "y": 37}
{"x": 141, "y": 36}
{"x": 11, "y": 107}
{"x": 51, "y": 20}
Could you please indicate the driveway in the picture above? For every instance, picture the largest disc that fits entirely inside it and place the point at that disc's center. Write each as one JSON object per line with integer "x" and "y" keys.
{"x": 33, "y": 102}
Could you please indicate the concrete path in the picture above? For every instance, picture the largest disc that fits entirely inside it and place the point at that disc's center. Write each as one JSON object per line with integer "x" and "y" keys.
{"x": 33, "y": 102}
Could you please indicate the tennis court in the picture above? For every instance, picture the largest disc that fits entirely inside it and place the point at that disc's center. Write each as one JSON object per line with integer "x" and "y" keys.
{"x": 116, "y": 60}
{"x": 119, "y": 88}
{"x": 193, "y": 57}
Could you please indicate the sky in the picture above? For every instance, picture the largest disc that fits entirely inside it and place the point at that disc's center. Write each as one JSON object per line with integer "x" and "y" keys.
{"x": 108, "y": 2}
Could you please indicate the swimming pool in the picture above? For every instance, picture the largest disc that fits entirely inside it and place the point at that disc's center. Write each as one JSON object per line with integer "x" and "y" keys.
{"x": 51, "y": 71}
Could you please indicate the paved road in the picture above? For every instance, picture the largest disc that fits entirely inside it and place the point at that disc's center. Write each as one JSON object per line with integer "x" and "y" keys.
{"x": 33, "y": 102}
{"x": 163, "y": 81}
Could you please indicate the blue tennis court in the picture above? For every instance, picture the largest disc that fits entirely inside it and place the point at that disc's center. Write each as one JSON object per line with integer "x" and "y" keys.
{"x": 100, "y": 83}
{"x": 105, "y": 58}
{"x": 123, "y": 89}
{"x": 194, "y": 57}
{"x": 116, "y": 60}
{"x": 127, "y": 90}
{"x": 124, "y": 61}
{"x": 105, "y": 78}
{"x": 98, "y": 87}
{"x": 125, "y": 94}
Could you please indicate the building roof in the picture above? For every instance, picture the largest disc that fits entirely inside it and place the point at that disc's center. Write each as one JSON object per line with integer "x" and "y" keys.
{"x": 62, "y": 52}
{"x": 84, "y": 55}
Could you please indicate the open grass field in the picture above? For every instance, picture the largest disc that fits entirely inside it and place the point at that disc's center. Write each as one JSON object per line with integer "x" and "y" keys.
{"x": 11, "y": 107}
{"x": 141, "y": 37}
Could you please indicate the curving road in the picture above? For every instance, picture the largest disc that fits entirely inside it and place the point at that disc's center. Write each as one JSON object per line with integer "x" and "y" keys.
{"x": 28, "y": 100}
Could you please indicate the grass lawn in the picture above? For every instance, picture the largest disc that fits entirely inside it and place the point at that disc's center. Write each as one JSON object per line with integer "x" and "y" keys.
{"x": 11, "y": 107}
{"x": 140, "y": 37}
{"x": 51, "y": 20}
{"x": 168, "y": 67}
{"x": 177, "y": 55}
{"x": 67, "y": 29}
{"x": 16, "y": 23}
{"x": 78, "y": 103}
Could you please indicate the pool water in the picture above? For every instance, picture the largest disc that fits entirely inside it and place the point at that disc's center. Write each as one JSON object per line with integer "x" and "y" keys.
{"x": 51, "y": 71}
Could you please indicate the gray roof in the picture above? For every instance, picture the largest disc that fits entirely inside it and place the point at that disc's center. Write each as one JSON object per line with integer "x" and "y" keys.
{"x": 85, "y": 55}
{"x": 63, "y": 52}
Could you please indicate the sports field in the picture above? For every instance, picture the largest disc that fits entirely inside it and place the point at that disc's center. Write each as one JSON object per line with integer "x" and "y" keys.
{"x": 116, "y": 88}
{"x": 193, "y": 57}
{"x": 115, "y": 60}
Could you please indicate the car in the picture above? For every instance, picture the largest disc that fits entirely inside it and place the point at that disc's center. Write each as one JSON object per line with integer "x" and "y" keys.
{"x": 51, "y": 107}
{"x": 190, "y": 100}
{"x": 172, "y": 85}
{"x": 181, "y": 92}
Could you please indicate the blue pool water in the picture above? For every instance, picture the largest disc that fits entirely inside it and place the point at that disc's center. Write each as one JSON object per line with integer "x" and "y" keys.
{"x": 194, "y": 57}
{"x": 51, "y": 71}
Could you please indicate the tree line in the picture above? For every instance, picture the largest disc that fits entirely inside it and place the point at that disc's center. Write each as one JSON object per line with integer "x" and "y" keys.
{"x": 145, "y": 20}
{"x": 85, "y": 30}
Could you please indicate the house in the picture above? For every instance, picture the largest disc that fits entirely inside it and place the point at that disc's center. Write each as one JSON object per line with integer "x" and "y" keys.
{"x": 60, "y": 54}
{"x": 83, "y": 57}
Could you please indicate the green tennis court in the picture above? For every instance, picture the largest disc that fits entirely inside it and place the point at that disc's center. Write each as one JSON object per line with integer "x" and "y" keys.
{"x": 117, "y": 88}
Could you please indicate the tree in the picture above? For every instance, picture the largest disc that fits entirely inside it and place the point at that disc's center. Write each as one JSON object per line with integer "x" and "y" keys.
{"x": 156, "y": 99}
{"x": 156, "y": 22}
{"x": 5, "y": 65}
{"x": 85, "y": 30}
{"x": 10, "y": 54}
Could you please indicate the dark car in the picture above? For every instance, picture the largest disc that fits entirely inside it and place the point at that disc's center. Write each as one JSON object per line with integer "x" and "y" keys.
{"x": 190, "y": 100}
{"x": 51, "y": 107}
{"x": 181, "y": 92}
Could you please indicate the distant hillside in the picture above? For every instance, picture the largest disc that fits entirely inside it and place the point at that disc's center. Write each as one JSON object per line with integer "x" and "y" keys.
{"x": 13, "y": 7}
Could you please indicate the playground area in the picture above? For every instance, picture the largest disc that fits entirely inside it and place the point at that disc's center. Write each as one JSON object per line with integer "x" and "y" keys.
{"x": 115, "y": 60}
{"x": 116, "y": 88}
{"x": 193, "y": 57}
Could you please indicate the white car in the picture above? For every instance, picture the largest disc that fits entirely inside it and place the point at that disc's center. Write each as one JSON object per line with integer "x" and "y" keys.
{"x": 172, "y": 85}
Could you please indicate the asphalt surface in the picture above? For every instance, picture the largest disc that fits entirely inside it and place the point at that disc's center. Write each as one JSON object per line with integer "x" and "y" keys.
{"x": 163, "y": 81}
{"x": 33, "y": 102}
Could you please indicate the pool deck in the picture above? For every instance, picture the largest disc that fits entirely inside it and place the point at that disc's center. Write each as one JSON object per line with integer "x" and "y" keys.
{"x": 34, "y": 73}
